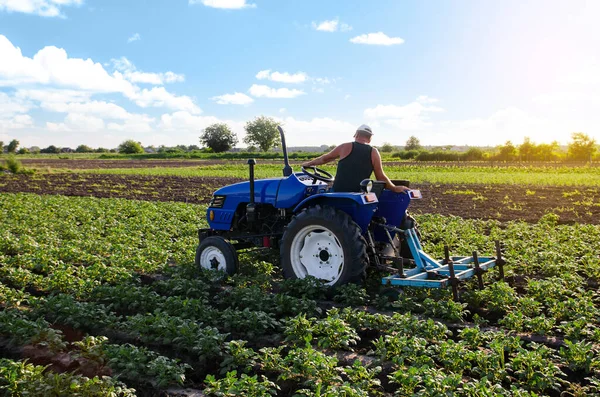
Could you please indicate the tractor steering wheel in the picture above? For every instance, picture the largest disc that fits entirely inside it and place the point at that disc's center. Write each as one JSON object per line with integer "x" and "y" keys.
{"x": 316, "y": 174}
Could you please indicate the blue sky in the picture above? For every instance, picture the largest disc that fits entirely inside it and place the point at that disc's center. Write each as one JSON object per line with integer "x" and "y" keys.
{"x": 449, "y": 72}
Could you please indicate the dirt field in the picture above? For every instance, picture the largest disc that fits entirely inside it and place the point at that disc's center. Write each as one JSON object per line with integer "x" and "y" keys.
{"x": 106, "y": 163}
{"x": 502, "y": 202}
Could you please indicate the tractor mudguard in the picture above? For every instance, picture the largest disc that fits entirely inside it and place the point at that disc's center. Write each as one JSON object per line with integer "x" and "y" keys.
{"x": 359, "y": 206}
{"x": 392, "y": 206}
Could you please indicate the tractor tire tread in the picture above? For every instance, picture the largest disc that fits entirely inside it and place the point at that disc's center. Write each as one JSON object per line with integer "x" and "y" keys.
{"x": 357, "y": 246}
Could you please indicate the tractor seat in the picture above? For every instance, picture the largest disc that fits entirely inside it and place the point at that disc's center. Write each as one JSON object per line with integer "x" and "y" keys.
{"x": 378, "y": 187}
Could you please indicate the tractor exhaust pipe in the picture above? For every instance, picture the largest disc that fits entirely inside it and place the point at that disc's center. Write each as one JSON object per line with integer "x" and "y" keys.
{"x": 251, "y": 206}
{"x": 287, "y": 169}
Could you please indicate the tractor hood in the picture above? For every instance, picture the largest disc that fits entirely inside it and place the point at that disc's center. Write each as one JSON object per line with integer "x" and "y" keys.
{"x": 265, "y": 191}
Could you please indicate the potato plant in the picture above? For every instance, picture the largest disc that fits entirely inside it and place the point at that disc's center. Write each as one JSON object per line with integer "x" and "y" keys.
{"x": 112, "y": 282}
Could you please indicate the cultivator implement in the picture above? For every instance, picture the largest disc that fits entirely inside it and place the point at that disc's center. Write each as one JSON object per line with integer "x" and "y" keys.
{"x": 431, "y": 273}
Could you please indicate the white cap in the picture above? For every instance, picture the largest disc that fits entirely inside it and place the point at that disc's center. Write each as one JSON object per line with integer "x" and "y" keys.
{"x": 365, "y": 128}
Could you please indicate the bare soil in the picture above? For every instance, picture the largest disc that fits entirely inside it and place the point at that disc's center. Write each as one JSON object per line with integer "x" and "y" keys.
{"x": 473, "y": 201}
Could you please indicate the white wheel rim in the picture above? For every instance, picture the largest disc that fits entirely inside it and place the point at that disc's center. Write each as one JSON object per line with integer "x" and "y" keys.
{"x": 212, "y": 258}
{"x": 317, "y": 252}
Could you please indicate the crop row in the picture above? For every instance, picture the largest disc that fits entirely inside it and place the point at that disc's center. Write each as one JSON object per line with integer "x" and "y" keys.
{"x": 554, "y": 176}
{"x": 123, "y": 270}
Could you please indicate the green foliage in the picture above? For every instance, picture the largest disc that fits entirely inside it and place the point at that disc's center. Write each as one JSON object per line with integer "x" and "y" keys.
{"x": 262, "y": 132}
{"x": 134, "y": 364}
{"x": 386, "y": 147}
{"x": 533, "y": 368}
{"x": 50, "y": 149}
{"x": 218, "y": 137}
{"x": 233, "y": 386}
{"x": 580, "y": 356}
{"x": 130, "y": 147}
{"x": 13, "y": 165}
{"x": 351, "y": 295}
{"x": 12, "y": 146}
{"x": 19, "y": 378}
{"x": 582, "y": 147}
{"x": 84, "y": 149}
{"x": 412, "y": 143}
{"x": 81, "y": 259}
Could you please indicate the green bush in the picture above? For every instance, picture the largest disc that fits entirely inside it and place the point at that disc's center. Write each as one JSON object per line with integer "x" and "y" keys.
{"x": 13, "y": 165}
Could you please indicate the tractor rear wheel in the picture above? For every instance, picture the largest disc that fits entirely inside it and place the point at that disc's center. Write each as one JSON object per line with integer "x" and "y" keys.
{"x": 324, "y": 243}
{"x": 216, "y": 253}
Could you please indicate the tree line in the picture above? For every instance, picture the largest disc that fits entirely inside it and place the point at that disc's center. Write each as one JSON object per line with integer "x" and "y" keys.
{"x": 262, "y": 134}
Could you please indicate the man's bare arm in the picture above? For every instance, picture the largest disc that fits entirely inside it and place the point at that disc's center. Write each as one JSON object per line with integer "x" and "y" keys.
{"x": 324, "y": 159}
{"x": 380, "y": 174}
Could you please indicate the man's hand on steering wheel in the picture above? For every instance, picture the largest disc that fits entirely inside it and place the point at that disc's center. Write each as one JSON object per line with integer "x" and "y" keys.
{"x": 318, "y": 174}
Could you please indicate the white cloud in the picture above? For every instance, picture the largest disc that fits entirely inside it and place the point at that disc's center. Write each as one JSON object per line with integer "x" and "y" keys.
{"x": 331, "y": 26}
{"x": 282, "y": 110}
{"x": 52, "y": 66}
{"x": 260, "y": 91}
{"x": 45, "y": 8}
{"x": 159, "y": 97}
{"x": 76, "y": 122}
{"x": 506, "y": 124}
{"x": 227, "y": 4}
{"x": 10, "y": 105}
{"x": 134, "y": 37}
{"x": 427, "y": 99}
{"x": 347, "y": 96}
{"x": 17, "y": 122}
{"x": 378, "y": 38}
{"x": 233, "y": 99}
{"x": 323, "y": 80}
{"x": 188, "y": 126}
{"x": 279, "y": 77}
{"x": 130, "y": 73}
{"x": 317, "y": 131}
{"x": 409, "y": 117}
{"x": 53, "y": 95}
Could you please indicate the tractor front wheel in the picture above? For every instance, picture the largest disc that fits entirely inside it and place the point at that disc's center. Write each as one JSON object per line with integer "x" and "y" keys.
{"x": 324, "y": 243}
{"x": 216, "y": 253}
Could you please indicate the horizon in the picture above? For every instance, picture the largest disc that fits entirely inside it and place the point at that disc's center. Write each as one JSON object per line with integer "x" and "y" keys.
{"x": 97, "y": 73}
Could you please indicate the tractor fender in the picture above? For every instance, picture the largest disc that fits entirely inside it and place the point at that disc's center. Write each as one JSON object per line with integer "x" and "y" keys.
{"x": 354, "y": 204}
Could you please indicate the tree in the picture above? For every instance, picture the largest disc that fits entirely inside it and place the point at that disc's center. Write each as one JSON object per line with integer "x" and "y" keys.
{"x": 23, "y": 150}
{"x": 262, "y": 132}
{"x": 582, "y": 147}
{"x": 386, "y": 147}
{"x": 131, "y": 147}
{"x": 12, "y": 146}
{"x": 547, "y": 151}
{"x": 508, "y": 152}
{"x": 413, "y": 143}
{"x": 50, "y": 149}
{"x": 527, "y": 150}
{"x": 84, "y": 149}
{"x": 218, "y": 137}
{"x": 1, "y": 147}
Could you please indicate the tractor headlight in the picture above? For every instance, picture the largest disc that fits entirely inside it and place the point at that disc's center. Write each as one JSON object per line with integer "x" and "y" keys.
{"x": 217, "y": 202}
{"x": 366, "y": 185}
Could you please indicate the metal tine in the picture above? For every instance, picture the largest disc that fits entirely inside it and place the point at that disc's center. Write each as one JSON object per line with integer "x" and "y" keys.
{"x": 478, "y": 270}
{"x": 452, "y": 278}
{"x": 500, "y": 262}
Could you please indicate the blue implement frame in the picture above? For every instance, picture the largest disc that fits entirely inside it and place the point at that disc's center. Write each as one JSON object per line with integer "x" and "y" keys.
{"x": 432, "y": 273}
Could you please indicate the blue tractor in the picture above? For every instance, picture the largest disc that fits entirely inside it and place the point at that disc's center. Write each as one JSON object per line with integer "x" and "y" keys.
{"x": 332, "y": 236}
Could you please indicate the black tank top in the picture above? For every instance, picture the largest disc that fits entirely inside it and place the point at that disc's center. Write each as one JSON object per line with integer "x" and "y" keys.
{"x": 352, "y": 169}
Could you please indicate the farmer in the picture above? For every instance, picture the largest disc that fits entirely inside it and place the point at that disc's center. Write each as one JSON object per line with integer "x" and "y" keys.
{"x": 358, "y": 160}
